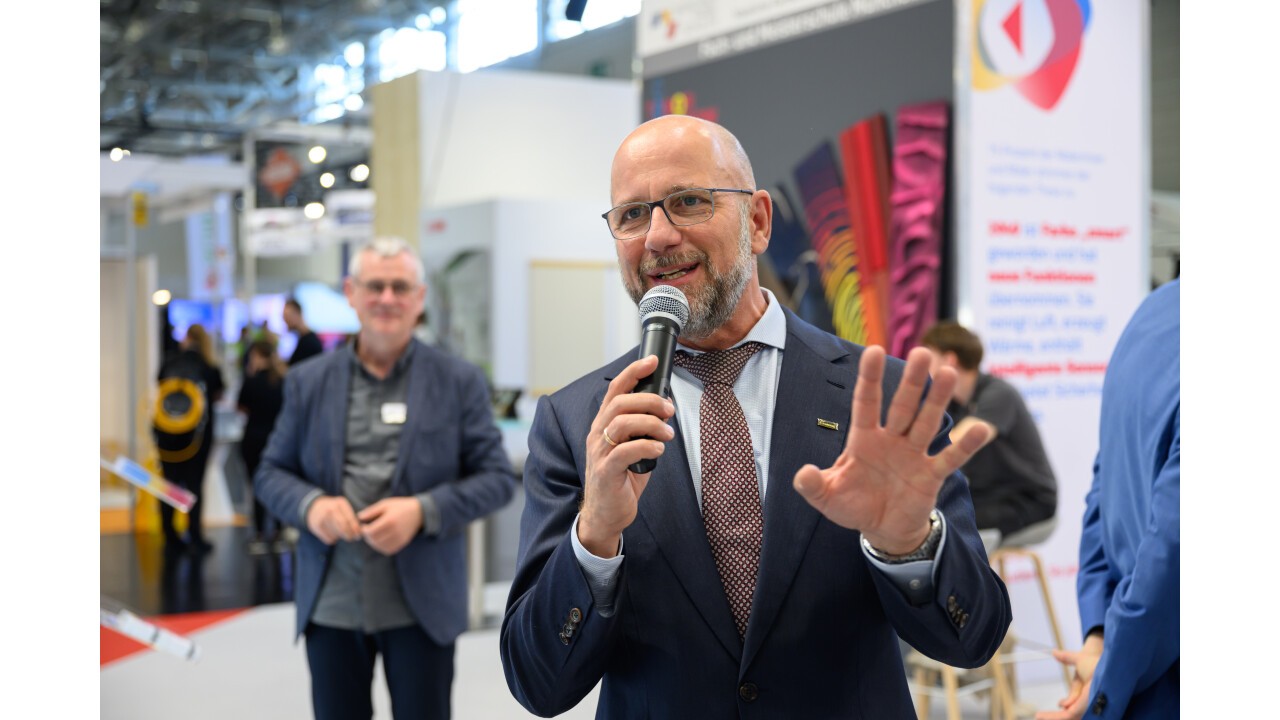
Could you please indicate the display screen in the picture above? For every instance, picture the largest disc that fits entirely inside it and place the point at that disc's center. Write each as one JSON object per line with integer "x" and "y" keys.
{"x": 185, "y": 313}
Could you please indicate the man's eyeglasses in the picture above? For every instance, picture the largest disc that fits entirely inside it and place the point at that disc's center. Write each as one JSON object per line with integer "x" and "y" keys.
{"x": 686, "y": 207}
{"x": 399, "y": 288}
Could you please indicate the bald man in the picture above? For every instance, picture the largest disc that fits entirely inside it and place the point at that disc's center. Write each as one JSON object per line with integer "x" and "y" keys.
{"x": 804, "y": 512}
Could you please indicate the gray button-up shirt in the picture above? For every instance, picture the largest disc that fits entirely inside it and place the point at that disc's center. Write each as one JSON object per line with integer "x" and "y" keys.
{"x": 362, "y": 589}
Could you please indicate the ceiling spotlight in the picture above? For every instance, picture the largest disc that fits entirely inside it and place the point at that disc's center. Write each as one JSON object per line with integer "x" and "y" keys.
{"x": 116, "y": 154}
{"x": 354, "y": 54}
{"x": 313, "y": 211}
{"x": 422, "y": 22}
{"x": 134, "y": 31}
{"x": 353, "y": 102}
{"x": 326, "y": 180}
{"x": 277, "y": 43}
{"x": 316, "y": 154}
{"x": 161, "y": 297}
{"x": 437, "y": 15}
{"x": 360, "y": 173}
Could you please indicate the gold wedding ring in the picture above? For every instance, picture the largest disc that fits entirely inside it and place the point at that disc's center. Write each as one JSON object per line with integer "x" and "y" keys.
{"x": 608, "y": 439}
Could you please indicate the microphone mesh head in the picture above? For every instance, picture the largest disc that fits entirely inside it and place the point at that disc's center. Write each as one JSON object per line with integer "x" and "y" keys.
{"x": 666, "y": 300}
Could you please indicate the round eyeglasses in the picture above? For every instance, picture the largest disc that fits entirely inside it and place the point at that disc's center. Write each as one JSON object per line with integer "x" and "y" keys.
{"x": 683, "y": 207}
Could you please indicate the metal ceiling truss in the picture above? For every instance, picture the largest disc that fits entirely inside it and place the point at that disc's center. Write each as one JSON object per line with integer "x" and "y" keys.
{"x": 193, "y": 76}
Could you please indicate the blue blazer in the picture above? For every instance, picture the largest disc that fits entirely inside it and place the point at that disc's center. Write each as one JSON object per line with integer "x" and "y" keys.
{"x": 821, "y": 640}
{"x": 449, "y": 446}
{"x": 1130, "y": 543}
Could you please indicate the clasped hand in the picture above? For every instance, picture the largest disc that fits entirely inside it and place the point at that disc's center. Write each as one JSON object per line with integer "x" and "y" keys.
{"x": 387, "y": 525}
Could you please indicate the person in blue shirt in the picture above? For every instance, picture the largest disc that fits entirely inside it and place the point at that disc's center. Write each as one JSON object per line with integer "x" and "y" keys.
{"x": 1129, "y": 546}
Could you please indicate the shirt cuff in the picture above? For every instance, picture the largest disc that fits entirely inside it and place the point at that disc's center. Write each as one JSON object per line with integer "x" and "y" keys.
{"x": 305, "y": 505}
{"x": 601, "y": 573}
{"x": 914, "y": 579}
{"x": 430, "y": 514}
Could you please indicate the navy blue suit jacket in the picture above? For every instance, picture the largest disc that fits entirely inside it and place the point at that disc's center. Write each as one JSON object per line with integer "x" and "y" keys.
{"x": 449, "y": 445}
{"x": 820, "y": 642}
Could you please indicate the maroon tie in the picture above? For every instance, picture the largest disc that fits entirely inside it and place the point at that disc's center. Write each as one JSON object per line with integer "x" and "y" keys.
{"x": 730, "y": 492}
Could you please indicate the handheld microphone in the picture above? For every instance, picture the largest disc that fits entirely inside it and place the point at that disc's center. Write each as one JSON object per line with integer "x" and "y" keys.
{"x": 664, "y": 311}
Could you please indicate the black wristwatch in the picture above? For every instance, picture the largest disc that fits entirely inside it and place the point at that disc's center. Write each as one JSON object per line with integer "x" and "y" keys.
{"x": 926, "y": 551}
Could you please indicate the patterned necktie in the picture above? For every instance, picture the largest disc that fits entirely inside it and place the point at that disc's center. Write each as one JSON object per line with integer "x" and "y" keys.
{"x": 730, "y": 491}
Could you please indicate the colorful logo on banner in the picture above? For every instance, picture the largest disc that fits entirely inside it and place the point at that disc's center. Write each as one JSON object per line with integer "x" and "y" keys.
{"x": 677, "y": 103}
{"x": 664, "y": 17}
{"x": 1032, "y": 44}
{"x": 279, "y": 173}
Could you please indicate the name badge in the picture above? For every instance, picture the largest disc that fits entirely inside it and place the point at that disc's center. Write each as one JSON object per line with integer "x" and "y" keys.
{"x": 394, "y": 413}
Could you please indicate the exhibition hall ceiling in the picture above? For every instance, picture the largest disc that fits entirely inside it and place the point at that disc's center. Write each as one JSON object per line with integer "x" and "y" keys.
{"x": 182, "y": 77}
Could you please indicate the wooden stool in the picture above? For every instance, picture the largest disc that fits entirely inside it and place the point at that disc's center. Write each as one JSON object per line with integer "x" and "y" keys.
{"x": 927, "y": 672}
{"x": 1019, "y": 544}
{"x": 994, "y": 676}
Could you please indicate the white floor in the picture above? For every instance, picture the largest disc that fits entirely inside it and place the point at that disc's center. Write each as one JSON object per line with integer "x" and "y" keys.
{"x": 249, "y": 668}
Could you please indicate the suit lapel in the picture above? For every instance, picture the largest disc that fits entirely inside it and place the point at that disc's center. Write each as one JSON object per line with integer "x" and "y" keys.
{"x": 336, "y": 393}
{"x": 670, "y": 510}
{"x": 810, "y": 387}
{"x": 420, "y": 385}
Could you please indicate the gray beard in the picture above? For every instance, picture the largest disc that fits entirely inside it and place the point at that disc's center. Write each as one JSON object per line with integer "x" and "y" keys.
{"x": 712, "y": 304}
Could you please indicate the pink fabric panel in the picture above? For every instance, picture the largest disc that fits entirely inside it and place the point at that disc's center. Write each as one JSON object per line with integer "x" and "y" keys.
{"x": 915, "y": 226}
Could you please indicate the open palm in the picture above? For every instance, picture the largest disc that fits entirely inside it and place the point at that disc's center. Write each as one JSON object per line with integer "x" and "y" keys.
{"x": 885, "y": 483}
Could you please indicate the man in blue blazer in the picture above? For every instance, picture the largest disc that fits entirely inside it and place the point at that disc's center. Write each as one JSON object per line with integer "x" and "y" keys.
{"x": 383, "y": 452}
{"x": 761, "y": 586}
{"x": 1130, "y": 543}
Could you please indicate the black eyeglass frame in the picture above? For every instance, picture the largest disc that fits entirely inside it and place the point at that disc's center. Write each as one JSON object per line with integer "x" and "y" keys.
{"x": 660, "y": 205}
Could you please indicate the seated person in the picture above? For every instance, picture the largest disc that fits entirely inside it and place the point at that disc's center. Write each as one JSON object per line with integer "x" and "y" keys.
{"x": 1010, "y": 479}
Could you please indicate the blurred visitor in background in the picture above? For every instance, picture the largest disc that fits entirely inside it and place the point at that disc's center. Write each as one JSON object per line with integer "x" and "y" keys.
{"x": 242, "y": 347}
{"x": 261, "y": 396}
{"x": 190, "y": 384}
{"x": 1010, "y": 479}
{"x": 309, "y": 344}
{"x": 383, "y": 453}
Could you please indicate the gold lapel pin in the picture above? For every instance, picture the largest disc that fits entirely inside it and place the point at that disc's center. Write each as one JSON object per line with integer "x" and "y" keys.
{"x": 828, "y": 424}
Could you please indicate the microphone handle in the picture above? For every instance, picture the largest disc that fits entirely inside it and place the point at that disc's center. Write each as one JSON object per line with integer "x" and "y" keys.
{"x": 643, "y": 465}
{"x": 659, "y": 338}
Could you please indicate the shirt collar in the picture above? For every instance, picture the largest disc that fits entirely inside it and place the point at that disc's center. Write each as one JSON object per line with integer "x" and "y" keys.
{"x": 770, "y": 329}
{"x": 401, "y": 362}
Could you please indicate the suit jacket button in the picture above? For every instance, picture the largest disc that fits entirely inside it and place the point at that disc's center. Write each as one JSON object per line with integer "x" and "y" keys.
{"x": 564, "y": 638}
{"x": 1099, "y": 703}
{"x": 567, "y": 630}
{"x": 964, "y": 620}
{"x": 575, "y": 616}
{"x": 951, "y": 603}
{"x": 748, "y": 692}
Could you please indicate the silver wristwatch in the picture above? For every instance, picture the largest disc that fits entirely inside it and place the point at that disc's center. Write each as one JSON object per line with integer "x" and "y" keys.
{"x": 926, "y": 550}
